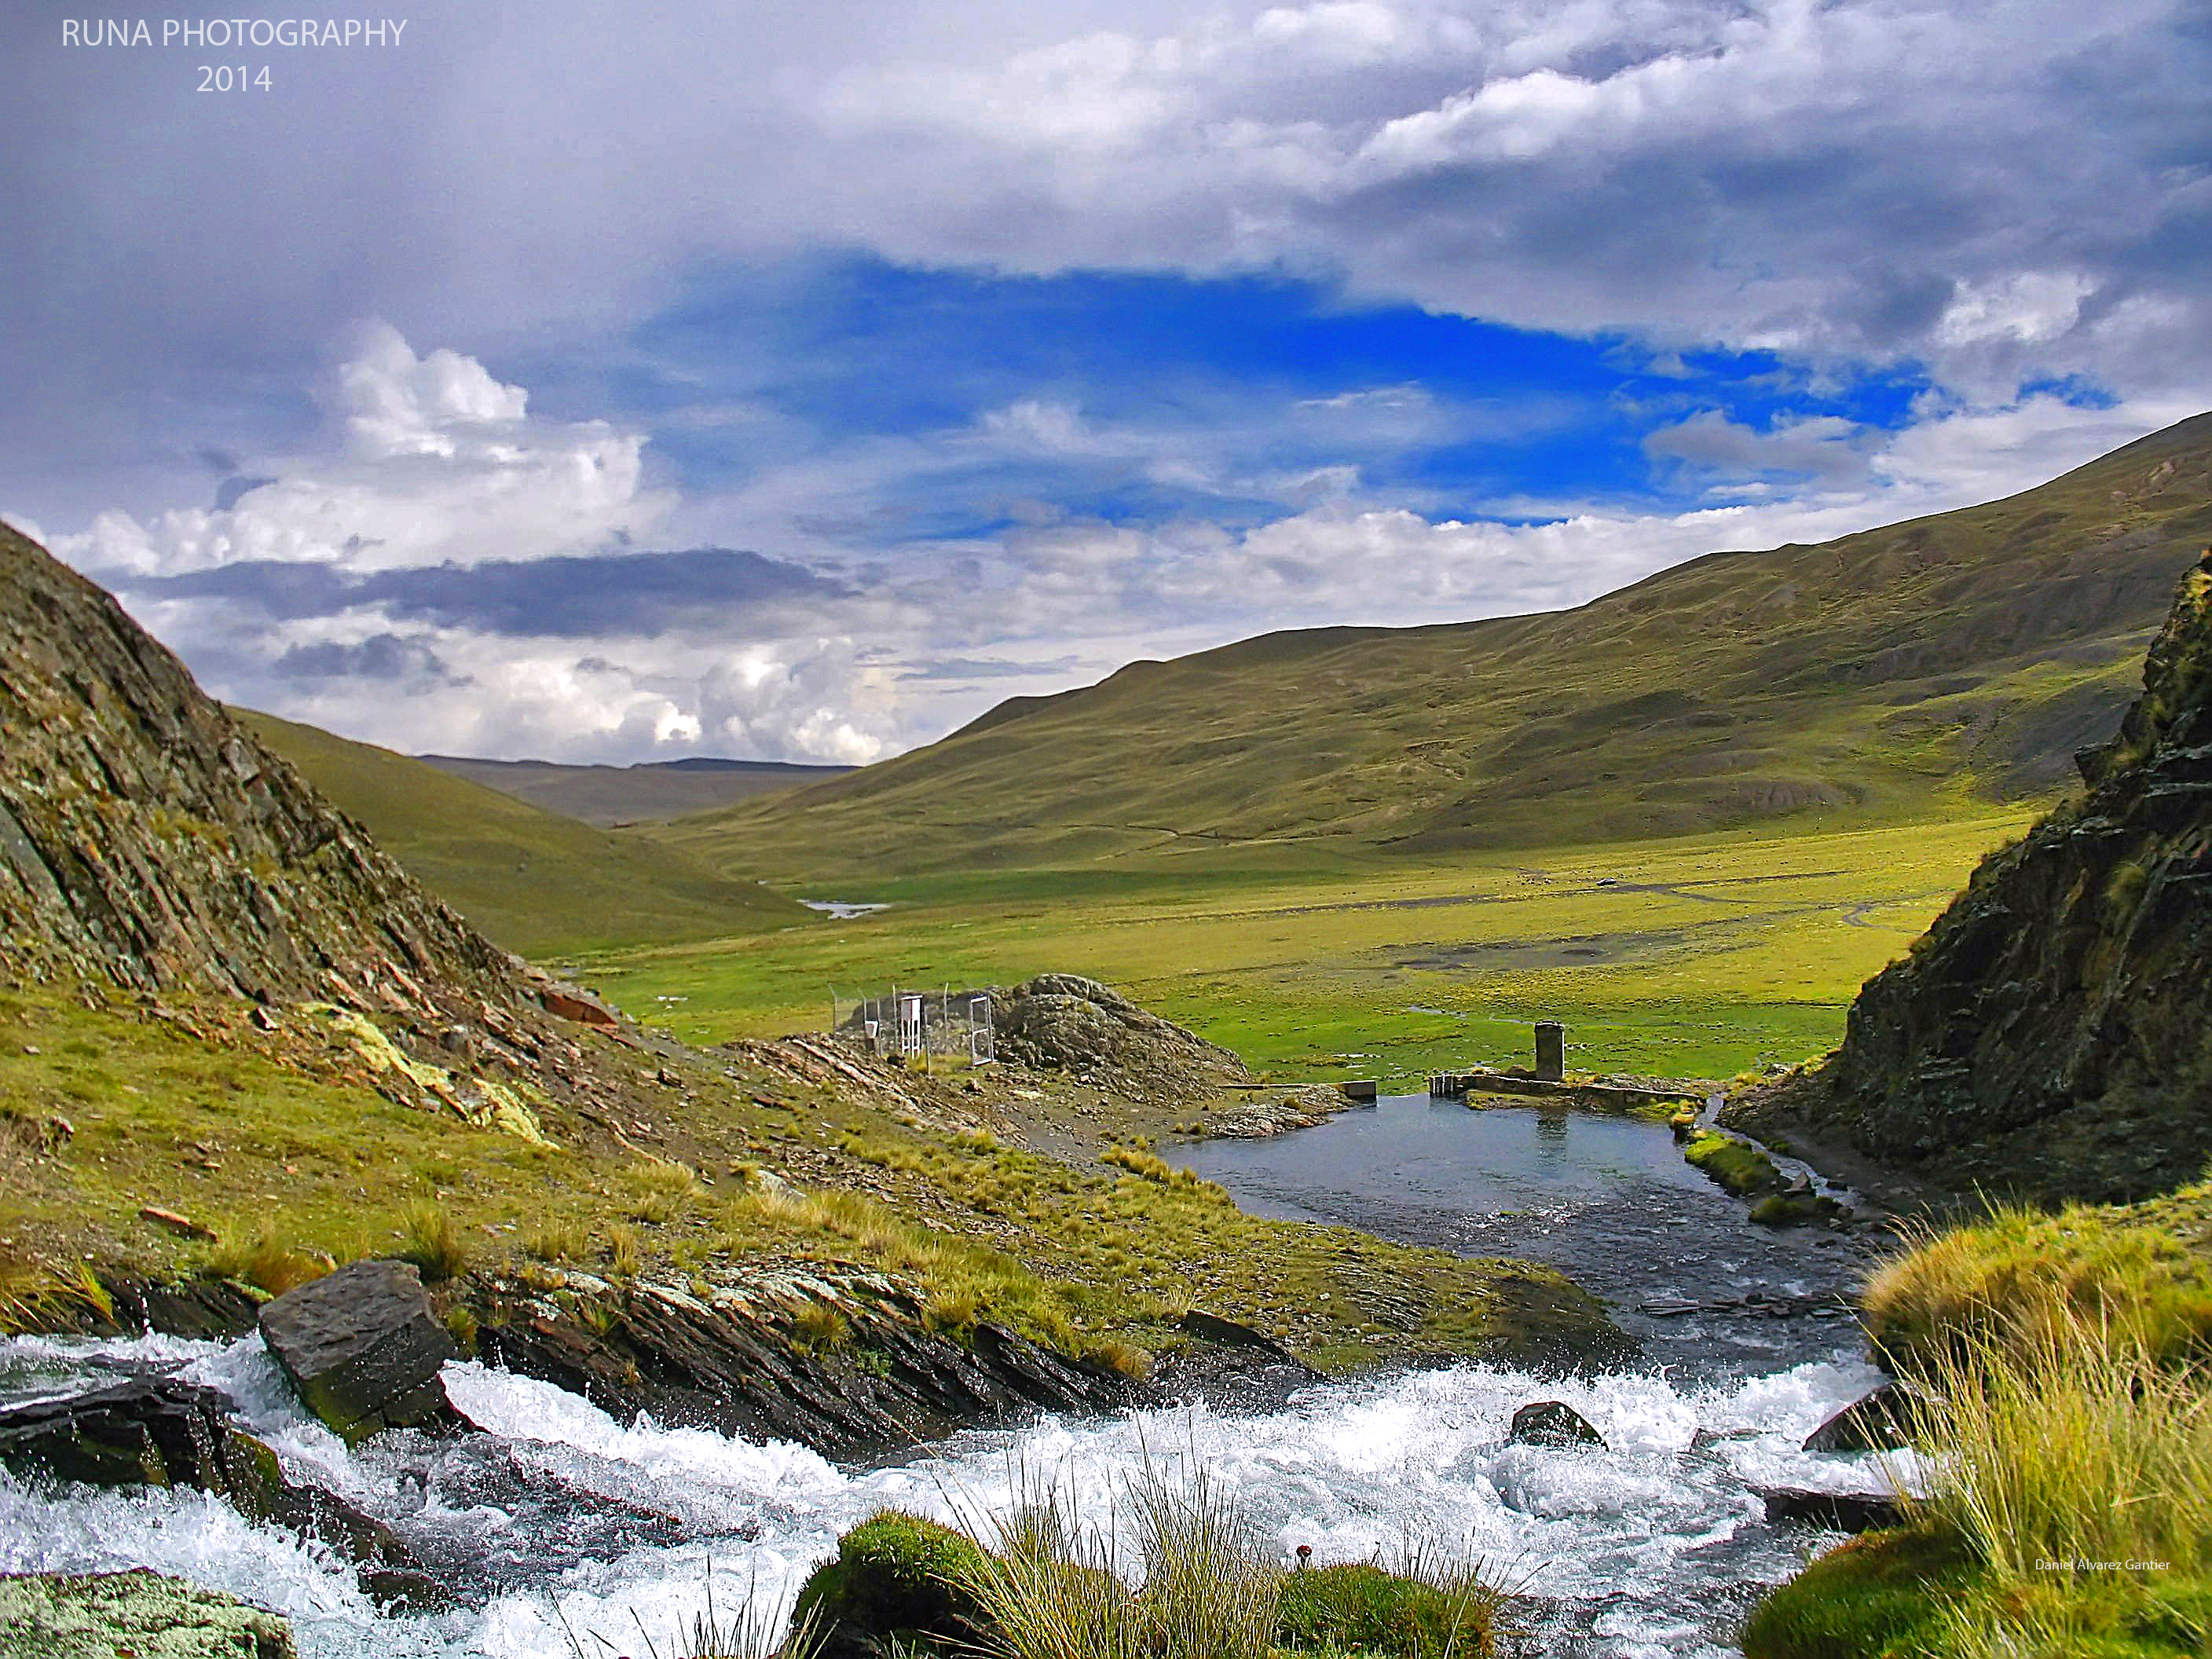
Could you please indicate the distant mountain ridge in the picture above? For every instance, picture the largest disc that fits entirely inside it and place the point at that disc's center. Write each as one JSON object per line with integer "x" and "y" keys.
{"x": 645, "y": 793}
{"x": 1916, "y": 669}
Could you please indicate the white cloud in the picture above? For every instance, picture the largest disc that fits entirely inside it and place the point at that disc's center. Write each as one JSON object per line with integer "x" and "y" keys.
{"x": 421, "y": 461}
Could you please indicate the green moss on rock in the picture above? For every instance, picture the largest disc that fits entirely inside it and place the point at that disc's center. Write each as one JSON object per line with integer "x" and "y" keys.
{"x": 1736, "y": 1164}
{"x": 1358, "y": 1607}
{"x": 896, "y": 1576}
{"x": 61, "y": 1616}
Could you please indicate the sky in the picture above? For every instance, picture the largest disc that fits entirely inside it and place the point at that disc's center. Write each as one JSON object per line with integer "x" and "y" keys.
{"x": 797, "y": 382}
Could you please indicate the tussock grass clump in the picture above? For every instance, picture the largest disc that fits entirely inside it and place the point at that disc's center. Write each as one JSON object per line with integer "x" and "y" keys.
{"x": 267, "y": 1260}
{"x": 625, "y": 1259}
{"x": 2066, "y": 1412}
{"x": 37, "y": 1297}
{"x": 753, "y": 1630}
{"x": 1209, "y": 1592}
{"x": 434, "y": 1242}
{"x": 657, "y": 1191}
{"x": 820, "y": 1326}
{"x": 2024, "y": 1274}
{"x": 882, "y": 1154}
{"x": 557, "y": 1241}
{"x": 1209, "y": 1589}
{"x": 1151, "y": 1166}
{"x": 2077, "y": 1468}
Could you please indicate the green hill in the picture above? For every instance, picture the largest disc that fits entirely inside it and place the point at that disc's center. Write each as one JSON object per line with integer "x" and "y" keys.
{"x": 1912, "y": 670}
{"x": 535, "y": 882}
{"x": 609, "y": 795}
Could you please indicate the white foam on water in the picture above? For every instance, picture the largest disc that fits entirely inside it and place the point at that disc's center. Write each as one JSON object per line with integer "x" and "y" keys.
{"x": 1646, "y": 1536}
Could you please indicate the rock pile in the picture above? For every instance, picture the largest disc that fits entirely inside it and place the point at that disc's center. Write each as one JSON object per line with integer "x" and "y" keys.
{"x": 1065, "y": 1022}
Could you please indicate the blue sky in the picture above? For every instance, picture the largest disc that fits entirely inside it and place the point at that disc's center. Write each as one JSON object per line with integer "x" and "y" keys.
{"x": 741, "y": 381}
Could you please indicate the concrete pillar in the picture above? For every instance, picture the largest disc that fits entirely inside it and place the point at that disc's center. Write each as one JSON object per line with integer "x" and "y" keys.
{"x": 1551, "y": 1051}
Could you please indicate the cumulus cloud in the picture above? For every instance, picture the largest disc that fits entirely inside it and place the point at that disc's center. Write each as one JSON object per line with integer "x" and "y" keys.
{"x": 420, "y": 461}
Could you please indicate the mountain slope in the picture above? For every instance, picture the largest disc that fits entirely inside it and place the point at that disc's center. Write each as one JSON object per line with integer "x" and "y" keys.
{"x": 1885, "y": 674}
{"x": 2052, "y": 1032}
{"x": 609, "y": 795}
{"x": 534, "y": 881}
{"x": 147, "y": 839}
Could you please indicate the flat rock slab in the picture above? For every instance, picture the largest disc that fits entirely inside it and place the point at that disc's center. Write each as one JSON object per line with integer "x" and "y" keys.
{"x": 60, "y": 1616}
{"x": 149, "y": 1430}
{"x": 1833, "y": 1511}
{"x": 363, "y": 1348}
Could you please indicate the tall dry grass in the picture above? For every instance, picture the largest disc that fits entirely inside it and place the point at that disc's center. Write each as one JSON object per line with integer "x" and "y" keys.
{"x": 2075, "y": 1461}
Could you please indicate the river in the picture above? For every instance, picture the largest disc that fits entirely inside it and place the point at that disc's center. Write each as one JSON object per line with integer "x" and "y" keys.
{"x": 561, "y": 1519}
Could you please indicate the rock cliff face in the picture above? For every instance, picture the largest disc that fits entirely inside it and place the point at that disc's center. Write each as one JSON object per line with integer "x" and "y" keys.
{"x": 148, "y": 840}
{"x": 2052, "y": 1034}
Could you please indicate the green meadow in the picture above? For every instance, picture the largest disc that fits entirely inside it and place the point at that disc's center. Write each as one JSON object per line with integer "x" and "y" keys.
{"x": 1698, "y": 957}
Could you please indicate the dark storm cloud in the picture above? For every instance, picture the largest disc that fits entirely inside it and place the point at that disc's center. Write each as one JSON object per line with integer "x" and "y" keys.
{"x": 378, "y": 657}
{"x": 561, "y": 598}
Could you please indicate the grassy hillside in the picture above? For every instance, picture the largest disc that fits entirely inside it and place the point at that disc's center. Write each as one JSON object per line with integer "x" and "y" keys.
{"x": 533, "y": 881}
{"x": 608, "y": 795}
{"x": 1902, "y": 674}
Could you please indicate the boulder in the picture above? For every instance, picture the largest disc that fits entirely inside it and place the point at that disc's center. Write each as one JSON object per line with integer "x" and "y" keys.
{"x": 363, "y": 1349}
{"x": 1552, "y": 1423}
{"x": 68, "y": 1616}
{"x": 1874, "y": 1422}
{"x": 1834, "y": 1511}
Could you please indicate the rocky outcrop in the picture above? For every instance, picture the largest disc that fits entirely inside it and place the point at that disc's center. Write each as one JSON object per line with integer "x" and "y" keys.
{"x": 841, "y": 1361}
{"x": 101, "y": 1615}
{"x": 148, "y": 840}
{"x": 1254, "y": 1115}
{"x": 1065, "y": 1022}
{"x": 363, "y": 1348}
{"x": 2051, "y": 1035}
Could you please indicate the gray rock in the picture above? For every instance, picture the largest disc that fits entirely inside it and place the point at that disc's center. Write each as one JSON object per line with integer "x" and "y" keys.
{"x": 162, "y": 1432}
{"x": 363, "y": 1348}
{"x": 1552, "y": 1423}
{"x": 1835, "y": 1511}
{"x": 1874, "y": 1422}
{"x": 57, "y": 1616}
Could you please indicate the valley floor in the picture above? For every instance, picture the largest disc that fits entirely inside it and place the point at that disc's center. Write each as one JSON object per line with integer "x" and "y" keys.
{"x": 1702, "y": 956}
